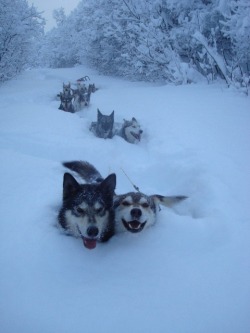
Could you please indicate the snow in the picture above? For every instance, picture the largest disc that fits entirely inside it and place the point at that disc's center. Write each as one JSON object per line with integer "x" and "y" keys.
{"x": 190, "y": 273}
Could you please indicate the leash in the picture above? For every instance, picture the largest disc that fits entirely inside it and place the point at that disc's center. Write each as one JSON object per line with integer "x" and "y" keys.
{"x": 134, "y": 186}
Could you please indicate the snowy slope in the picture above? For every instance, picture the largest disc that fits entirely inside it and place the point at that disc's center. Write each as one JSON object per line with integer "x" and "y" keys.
{"x": 190, "y": 273}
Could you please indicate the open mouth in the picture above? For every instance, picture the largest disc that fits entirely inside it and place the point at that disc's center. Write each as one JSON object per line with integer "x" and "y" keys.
{"x": 134, "y": 225}
{"x": 136, "y": 136}
{"x": 89, "y": 243}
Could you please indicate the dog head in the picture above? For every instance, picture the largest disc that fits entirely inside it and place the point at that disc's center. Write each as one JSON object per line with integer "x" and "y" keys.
{"x": 66, "y": 102}
{"x": 132, "y": 131}
{"x": 104, "y": 126}
{"x": 88, "y": 209}
{"x": 92, "y": 88}
{"x": 86, "y": 98}
{"x": 136, "y": 211}
{"x": 80, "y": 86}
{"x": 67, "y": 89}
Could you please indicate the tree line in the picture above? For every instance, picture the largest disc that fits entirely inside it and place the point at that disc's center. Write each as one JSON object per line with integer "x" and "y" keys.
{"x": 175, "y": 41}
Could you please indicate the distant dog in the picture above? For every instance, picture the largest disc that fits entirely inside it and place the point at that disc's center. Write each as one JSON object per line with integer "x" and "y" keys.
{"x": 81, "y": 95}
{"x": 66, "y": 103}
{"x": 92, "y": 88}
{"x": 130, "y": 131}
{"x": 134, "y": 211}
{"x": 103, "y": 128}
{"x": 87, "y": 209}
{"x": 67, "y": 89}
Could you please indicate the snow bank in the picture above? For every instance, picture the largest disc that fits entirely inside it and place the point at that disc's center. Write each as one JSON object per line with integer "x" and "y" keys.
{"x": 189, "y": 273}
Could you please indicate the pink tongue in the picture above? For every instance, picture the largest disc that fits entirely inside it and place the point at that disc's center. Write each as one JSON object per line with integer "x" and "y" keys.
{"x": 134, "y": 224}
{"x": 89, "y": 243}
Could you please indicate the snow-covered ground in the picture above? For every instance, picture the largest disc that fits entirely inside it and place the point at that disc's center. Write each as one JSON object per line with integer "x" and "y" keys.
{"x": 190, "y": 273}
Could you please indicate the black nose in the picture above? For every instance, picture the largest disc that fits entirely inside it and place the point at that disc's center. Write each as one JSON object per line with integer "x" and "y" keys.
{"x": 136, "y": 213}
{"x": 92, "y": 231}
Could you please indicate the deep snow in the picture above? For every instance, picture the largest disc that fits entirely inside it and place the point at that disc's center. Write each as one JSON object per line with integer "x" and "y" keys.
{"x": 190, "y": 273}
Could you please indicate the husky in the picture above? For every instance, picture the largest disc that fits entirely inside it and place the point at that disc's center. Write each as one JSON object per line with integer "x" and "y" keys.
{"x": 67, "y": 89}
{"x": 66, "y": 103}
{"x": 130, "y": 131}
{"x": 81, "y": 95}
{"x": 87, "y": 209}
{"x": 92, "y": 88}
{"x": 134, "y": 211}
{"x": 103, "y": 128}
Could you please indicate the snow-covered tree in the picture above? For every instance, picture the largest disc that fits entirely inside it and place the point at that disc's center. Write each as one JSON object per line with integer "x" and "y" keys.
{"x": 20, "y": 26}
{"x": 237, "y": 29}
{"x": 159, "y": 40}
{"x": 58, "y": 46}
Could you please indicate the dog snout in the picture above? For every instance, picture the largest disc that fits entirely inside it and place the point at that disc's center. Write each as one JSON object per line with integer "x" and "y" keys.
{"x": 92, "y": 231}
{"x": 135, "y": 213}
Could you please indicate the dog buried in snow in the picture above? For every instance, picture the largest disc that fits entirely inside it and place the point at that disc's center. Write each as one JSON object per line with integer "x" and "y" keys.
{"x": 105, "y": 127}
{"x": 129, "y": 130}
{"x": 88, "y": 212}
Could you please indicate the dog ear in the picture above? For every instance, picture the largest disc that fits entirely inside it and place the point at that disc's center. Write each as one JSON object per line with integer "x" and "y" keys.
{"x": 70, "y": 186}
{"x": 99, "y": 114}
{"x": 168, "y": 201}
{"x": 133, "y": 119}
{"x": 108, "y": 184}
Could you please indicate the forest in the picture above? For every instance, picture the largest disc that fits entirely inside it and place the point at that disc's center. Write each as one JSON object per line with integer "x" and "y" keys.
{"x": 167, "y": 41}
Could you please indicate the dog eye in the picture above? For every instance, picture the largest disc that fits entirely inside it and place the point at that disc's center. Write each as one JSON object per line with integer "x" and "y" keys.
{"x": 99, "y": 210}
{"x": 80, "y": 210}
{"x": 126, "y": 203}
{"x": 145, "y": 205}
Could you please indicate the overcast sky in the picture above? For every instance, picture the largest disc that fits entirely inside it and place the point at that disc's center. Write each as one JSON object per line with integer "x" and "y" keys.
{"x": 47, "y": 6}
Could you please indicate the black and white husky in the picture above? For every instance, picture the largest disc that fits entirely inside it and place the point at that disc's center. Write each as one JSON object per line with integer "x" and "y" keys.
{"x": 81, "y": 95}
{"x": 134, "y": 211}
{"x": 66, "y": 103}
{"x": 129, "y": 130}
{"x": 87, "y": 210}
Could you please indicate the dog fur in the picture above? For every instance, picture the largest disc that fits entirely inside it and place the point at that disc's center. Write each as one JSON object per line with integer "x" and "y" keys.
{"x": 106, "y": 128}
{"x": 134, "y": 211}
{"x": 87, "y": 209}
{"x": 67, "y": 89}
{"x": 130, "y": 131}
{"x": 81, "y": 95}
{"x": 103, "y": 127}
{"x": 66, "y": 103}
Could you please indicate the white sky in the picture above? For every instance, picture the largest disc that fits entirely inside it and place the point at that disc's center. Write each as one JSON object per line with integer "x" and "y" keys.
{"x": 47, "y": 6}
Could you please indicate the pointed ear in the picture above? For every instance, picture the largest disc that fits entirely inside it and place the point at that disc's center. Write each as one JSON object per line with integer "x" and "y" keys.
{"x": 70, "y": 186}
{"x": 112, "y": 114}
{"x": 133, "y": 119}
{"x": 108, "y": 184}
{"x": 168, "y": 201}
